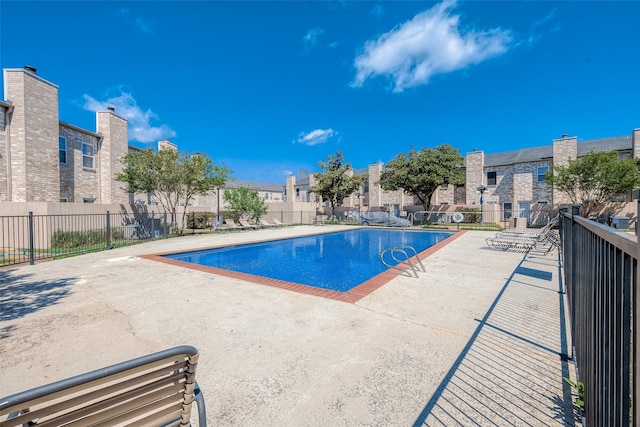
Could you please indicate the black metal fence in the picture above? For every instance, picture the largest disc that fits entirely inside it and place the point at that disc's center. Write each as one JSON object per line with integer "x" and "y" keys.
{"x": 29, "y": 238}
{"x": 601, "y": 278}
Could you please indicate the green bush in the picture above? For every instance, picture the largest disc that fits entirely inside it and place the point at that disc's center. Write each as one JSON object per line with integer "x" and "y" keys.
{"x": 199, "y": 220}
{"x": 75, "y": 239}
{"x": 471, "y": 215}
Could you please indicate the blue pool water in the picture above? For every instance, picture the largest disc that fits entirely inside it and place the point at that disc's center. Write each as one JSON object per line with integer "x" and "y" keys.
{"x": 336, "y": 261}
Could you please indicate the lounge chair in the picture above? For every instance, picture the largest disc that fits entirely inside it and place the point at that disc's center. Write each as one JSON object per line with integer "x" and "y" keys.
{"x": 320, "y": 220}
{"x": 231, "y": 225}
{"x": 157, "y": 389}
{"x": 544, "y": 241}
{"x": 278, "y": 223}
{"x": 245, "y": 224}
{"x": 215, "y": 224}
{"x": 263, "y": 222}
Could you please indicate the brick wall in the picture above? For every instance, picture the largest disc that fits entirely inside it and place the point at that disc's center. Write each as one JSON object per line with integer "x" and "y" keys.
{"x": 3, "y": 153}
{"x": 33, "y": 137}
{"x": 564, "y": 149}
{"x": 76, "y": 181}
{"x": 474, "y": 176}
{"x": 114, "y": 145}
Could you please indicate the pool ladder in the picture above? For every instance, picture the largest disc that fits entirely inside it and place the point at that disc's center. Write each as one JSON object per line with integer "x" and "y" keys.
{"x": 403, "y": 254}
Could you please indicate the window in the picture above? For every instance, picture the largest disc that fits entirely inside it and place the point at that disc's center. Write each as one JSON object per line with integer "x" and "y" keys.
{"x": 87, "y": 156}
{"x": 543, "y": 202}
{"x": 542, "y": 171}
{"x": 63, "y": 200}
{"x": 491, "y": 178}
{"x": 62, "y": 149}
{"x": 507, "y": 211}
{"x": 88, "y": 200}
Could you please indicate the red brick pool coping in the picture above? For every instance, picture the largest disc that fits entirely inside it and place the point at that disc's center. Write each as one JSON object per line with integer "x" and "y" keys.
{"x": 351, "y": 296}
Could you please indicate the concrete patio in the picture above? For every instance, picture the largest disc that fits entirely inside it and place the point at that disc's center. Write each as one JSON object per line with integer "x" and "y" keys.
{"x": 480, "y": 339}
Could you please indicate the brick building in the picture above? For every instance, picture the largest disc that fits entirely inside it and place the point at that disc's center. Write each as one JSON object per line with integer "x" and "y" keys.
{"x": 513, "y": 180}
{"x": 43, "y": 159}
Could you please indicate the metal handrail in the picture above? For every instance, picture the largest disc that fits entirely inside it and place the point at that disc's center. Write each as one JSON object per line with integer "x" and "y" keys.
{"x": 401, "y": 249}
{"x": 415, "y": 255}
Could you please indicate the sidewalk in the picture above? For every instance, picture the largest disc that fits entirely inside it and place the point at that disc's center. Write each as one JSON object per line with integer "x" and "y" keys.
{"x": 510, "y": 372}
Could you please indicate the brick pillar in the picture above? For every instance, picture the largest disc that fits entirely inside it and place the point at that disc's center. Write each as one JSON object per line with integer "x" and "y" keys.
{"x": 114, "y": 145}
{"x": 291, "y": 188}
{"x": 635, "y": 138}
{"x": 35, "y": 170}
{"x": 375, "y": 191}
{"x": 564, "y": 149}
{"x": 474, "y": 175}
{"x": 165, "y": 143}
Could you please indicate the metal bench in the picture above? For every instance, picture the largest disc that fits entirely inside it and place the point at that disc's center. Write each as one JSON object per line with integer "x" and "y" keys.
{"x": 153, "y": 390}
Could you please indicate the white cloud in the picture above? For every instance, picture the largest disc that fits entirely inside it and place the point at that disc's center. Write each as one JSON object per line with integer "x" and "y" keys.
{"x": 544, "y": 20}
{"x": 138, "y": 23}
{"x": 430, "y": 43}
{"x": 315, "y": 137}
{"x": 140, "y": 128}
{"x": 538, "y": 33}
{"x": 377, "y": 10}
{"x": 310, "y": 39}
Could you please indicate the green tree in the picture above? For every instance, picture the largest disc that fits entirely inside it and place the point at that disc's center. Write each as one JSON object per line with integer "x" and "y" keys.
{"x": 419, "y": 173}
{"x": 245, "y": 202}
{"x": 595, "y": 179}
{"x": 171, "y": 177}
{"x": 334, "y": 184}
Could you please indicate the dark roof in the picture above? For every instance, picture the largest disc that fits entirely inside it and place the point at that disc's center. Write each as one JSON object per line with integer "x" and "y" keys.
{"x": 535, "y": 154}
{"x": 361, "y": 171}
{"x": 518, "y": 156}
{"x": 618, "y": 143}
{"x": 303, "y": 181}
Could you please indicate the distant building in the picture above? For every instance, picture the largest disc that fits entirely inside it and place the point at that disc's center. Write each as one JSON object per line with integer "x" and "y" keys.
{"x": 514, "y": 179}
{"x": 43, "y": 159}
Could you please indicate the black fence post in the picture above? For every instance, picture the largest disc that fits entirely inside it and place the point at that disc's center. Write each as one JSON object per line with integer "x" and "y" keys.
{"x": 153, "y": 225}
{"x": 108, "y": 230}
{"x": 575, "y": 209}
{"x": 32, "y": 255}
{"x": 165, "y": 232}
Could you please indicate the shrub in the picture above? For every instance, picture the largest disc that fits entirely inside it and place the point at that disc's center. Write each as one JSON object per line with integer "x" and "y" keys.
{"x": 471, "y": 215}
{"x": 199, "y": 220}
{"x": 75, "y": 239}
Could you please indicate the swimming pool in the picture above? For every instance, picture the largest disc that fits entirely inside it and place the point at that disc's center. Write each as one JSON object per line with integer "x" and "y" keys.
{"x": 336, "y": 261}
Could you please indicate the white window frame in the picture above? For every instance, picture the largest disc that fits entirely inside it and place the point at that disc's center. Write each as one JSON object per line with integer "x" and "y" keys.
{"x": 61, "y": 150}
{"x": 543, "y": 175}
{"x": 91, "y": 156}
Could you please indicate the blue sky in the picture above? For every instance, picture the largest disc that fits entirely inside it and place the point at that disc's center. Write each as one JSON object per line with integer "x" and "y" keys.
{"x": 271, "y": 88}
